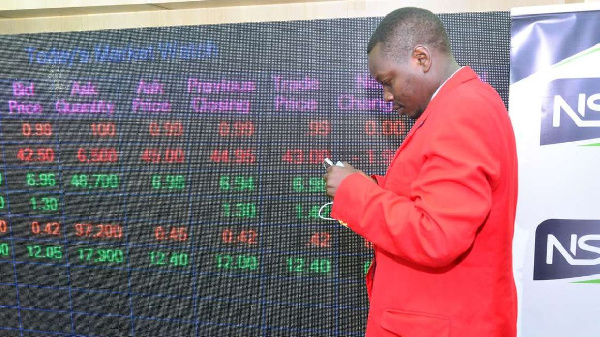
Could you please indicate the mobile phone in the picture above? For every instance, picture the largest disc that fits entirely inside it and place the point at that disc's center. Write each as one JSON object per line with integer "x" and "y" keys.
{"x": 327, "y": 162}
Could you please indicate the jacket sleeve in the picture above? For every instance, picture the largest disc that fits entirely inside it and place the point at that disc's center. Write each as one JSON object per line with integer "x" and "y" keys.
{"x": 449, "y": 200}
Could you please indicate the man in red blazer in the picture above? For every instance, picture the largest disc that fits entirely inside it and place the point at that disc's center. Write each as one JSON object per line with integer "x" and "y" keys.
{"x": 442, "y": 218}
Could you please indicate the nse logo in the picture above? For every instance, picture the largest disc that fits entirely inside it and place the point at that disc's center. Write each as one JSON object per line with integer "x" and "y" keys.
{"x": 567, "y": 248}
{"x": 571, "y": 111}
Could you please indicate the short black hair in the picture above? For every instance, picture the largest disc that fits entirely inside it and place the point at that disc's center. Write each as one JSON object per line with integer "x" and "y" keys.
{"x": 403, "y": 29}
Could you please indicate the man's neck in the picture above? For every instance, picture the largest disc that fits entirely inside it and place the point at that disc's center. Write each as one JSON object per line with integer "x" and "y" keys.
{"x": 449, "y": 71}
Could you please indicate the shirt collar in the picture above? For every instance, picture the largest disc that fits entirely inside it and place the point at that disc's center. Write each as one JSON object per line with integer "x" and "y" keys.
{"x": 440, "y": 87}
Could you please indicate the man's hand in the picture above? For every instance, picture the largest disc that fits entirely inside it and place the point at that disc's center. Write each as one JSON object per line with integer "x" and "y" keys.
{"x": 334, "y": 176}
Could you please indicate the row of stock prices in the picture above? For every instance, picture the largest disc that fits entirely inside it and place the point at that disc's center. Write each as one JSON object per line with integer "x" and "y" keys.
{"x": 168, "y": 181}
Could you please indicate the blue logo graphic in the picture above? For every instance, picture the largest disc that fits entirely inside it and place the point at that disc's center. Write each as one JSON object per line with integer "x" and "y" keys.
{"x": 566, "y": 248}
{"x": 571, "y": 111}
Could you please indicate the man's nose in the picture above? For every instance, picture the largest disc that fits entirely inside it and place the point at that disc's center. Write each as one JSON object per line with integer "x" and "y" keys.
{"x": 387, "y": 96}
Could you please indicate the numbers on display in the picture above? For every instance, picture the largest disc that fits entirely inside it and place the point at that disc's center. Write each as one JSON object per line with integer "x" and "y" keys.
{"x": 48, "y": 228}
{"x": 101, "y": 255}
{"x": 169, "y": 129}
{"x": 170, "y": 233}
{"x": 236, "y": 183}
{"x": 319, "y": 239}
{"x": 168, "y": 182}
{"x": 43, "y": 155}
{"x": 101, "y": 181}
{"x": 304, "y": 266}
{"x": 236, "y": 156}
{"x": 236, "y": 129}
{"x": 45, "y": 252}
{"x": 244, "y": 236}
{"x": 385, "y": 127}
{"x": 239, "y": 210}
{"x": 97, "y": 155}
{"x": 99, "y": 231}
{"x": 163, "y": 156}
{"x": 36, "y": 129}
{"x": 103, "y": 129}
{"x": 45, "y": 204}
{"x": 301, "y": 156}
{"x": 242, "y": 262}
{"x": 319, "y": 128}
{"x": 4, "y": 249}
{"x": 41, "y": 179}
{"x": 175, "y": 259}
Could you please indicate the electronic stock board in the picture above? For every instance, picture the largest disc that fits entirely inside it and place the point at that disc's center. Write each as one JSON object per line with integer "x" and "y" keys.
{"x": 167, "y": 181}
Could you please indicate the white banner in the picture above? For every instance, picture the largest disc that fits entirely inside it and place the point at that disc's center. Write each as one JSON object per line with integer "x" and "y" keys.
{"x": 555, "y": 108}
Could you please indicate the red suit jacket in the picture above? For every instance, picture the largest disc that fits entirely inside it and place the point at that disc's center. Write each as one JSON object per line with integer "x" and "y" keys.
{"x": 441, "y": 220}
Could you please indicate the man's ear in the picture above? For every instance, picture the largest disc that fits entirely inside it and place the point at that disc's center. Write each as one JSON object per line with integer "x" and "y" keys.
{"x": 422, "y": 57}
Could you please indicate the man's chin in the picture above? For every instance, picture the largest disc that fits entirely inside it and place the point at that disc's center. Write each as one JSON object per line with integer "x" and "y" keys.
{"x": 411, "y": 114}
